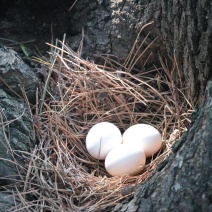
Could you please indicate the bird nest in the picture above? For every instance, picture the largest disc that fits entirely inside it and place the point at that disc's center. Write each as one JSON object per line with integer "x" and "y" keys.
{"x": 78, "y": 94}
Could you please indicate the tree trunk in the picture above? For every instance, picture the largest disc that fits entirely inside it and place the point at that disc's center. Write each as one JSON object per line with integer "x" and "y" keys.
{"x": 183, "y": 182}
{"x": 184, "y": 29}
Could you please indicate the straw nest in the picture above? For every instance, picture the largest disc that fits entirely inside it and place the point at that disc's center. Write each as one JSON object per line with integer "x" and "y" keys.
{"x": 61, "y": 175}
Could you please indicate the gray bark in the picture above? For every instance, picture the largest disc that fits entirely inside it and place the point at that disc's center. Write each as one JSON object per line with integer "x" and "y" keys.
{"x": 16, "y": 133}
{"x": 6, "y": 201}
{"x": 183, "y": 182}
{"x": 16, "y": 77}
{"x": 184, "y": 29}
{"x": 16, "y": 127}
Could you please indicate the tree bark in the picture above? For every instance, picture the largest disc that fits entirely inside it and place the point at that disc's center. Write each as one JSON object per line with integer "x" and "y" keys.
{"x": 184, "y": 29}
{"x": 183, "y": 182}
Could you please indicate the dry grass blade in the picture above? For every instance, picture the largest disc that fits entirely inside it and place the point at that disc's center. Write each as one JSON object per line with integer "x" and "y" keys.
{"x": 62, "y": 176}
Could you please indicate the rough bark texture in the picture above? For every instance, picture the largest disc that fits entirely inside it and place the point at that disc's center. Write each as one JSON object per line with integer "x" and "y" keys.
{"x": 15, "y": 134}
{"x": 183, "y": 182}
{"x": 6, "y": 201}
{"x": 110, "y": 26}
{"x": 16, "y": 77}
{"x": 184, "y": 30}
{"x": 16, "y": 127}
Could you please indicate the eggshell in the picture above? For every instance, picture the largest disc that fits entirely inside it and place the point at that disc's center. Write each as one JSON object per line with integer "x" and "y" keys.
{"x": 144, "y": 136}
{"x": 125, "y": 159}
{"x": 101, "y": 138}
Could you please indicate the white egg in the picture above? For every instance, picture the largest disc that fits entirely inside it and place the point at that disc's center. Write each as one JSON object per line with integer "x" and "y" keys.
{"x": 125, "y": 159}
{"x": 101, "y": 138}
{"x": 144, "y": 136}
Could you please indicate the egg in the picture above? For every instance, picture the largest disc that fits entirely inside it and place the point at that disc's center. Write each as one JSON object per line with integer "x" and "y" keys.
{"x": 101, "y": 138}
{"x": 125, "y": 159}
{"x": 143, "y": 136}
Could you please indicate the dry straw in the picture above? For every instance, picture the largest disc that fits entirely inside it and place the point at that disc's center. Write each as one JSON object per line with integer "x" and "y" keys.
{"x": 61, "y": 175}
